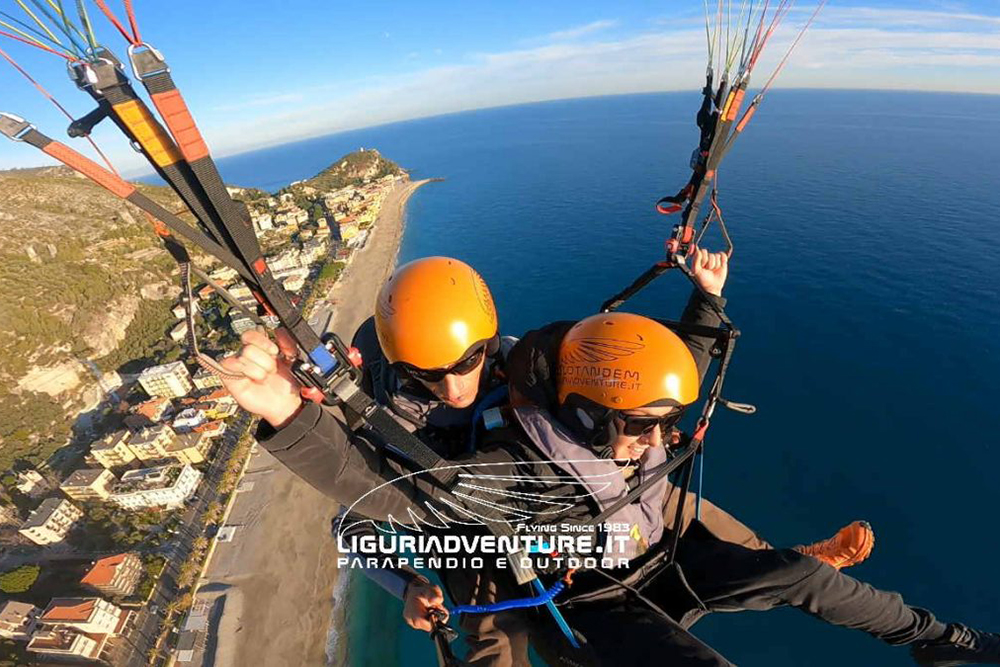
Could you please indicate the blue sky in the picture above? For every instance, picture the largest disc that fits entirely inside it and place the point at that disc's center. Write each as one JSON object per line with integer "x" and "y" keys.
{"x": 259, "y": 74}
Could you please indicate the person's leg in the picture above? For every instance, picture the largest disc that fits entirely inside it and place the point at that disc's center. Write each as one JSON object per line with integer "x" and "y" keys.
{"x": 723, "y": 525}
{"x": 851, "y": 545}
{"x": 630, "y": 633}
{"x": 727, "y": 577}
{"x": 494, "y": 640}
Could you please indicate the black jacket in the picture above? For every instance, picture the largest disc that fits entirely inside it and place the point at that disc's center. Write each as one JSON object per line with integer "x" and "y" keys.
{"x": 318, "y": 447}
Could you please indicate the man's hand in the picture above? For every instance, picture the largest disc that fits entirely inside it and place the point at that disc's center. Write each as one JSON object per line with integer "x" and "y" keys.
{"x": 422, "y": 597}
{"x": 710, "y": 269}
{"x": 269, "y": 388}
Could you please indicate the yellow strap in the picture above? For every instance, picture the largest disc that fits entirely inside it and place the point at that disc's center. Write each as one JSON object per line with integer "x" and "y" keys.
{"x": 150, "y": 134}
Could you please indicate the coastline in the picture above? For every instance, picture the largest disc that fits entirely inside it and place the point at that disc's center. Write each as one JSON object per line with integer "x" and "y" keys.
{"x": 281, "y": 566}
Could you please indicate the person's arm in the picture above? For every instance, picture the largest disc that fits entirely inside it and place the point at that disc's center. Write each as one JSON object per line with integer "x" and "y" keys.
{"x": 313, "y": 441}
{"x": 710, "y": 270}
{"x": 317, "y": 446}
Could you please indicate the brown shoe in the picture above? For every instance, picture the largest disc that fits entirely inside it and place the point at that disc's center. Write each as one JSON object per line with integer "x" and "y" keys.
{"x": 851, "y": 545}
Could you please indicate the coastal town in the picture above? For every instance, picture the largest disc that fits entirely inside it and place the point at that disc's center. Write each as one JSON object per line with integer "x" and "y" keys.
{"x": 103, "y": 546}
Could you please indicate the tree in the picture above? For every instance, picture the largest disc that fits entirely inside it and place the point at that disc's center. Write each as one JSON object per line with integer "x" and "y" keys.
{"x": 19, "y": 580}
{"x": 179, "y": 604}
{"x": 214, "y": 512}
{"x": 188, "y": 571}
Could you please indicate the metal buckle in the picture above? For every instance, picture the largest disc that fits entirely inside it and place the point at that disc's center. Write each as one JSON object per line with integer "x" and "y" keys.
{"x": 14, "y": 127}
{"x": 146, "y": 63}
{"x": 82, "y": 74}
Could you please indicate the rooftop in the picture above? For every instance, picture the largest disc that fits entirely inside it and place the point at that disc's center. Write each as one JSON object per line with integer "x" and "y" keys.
{"x": 208, "y": 426}
{"x": 13, "y": 612}
{"x": 84, "y": 477}
{"x": 103, "y": 571}
{"x": 63, "y": 640}
{"x": 163, "y": 369}
{"x": 148, "y": 479}
{"x": 110, "y": 441}
{"x": 221, "y": 392}
{"x": 70, "y": 610}
{"x": 148, "y": 434}
{"x": 57, "y": 640}
{"x": 185, "y": 441}
{"x": 41, "y": 515}
{"x": 152, "y": 408}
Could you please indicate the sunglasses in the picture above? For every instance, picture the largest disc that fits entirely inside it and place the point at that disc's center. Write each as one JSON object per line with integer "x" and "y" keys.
{"x": 463, "y": 366}
{"x": 636, "y": 426}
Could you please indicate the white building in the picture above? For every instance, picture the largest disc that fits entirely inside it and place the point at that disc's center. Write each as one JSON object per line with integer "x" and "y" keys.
{"x": 186, "y": 420}
{"x": 51, "y": 522}
{"x": 90, "y": 615}
{"x": 179, "y": 332}
{"x": 69, "y": 645}
{"x": 113, "y": 451}
{"x": 163, "y": 486}
{"x": 167, "y": 380}
{"x": 180, "y": 311}
{"x": 32, "y": 484}
{"x": 263, "y": 222}
{"x": 205, "y": 379}
{"x": 89, "y": 484}
{"x": 150, "y": 444}
{"x": 240, "y": 323}
{"x": 289, "y": 259}
{"x": 293, "y": 283}
{"x": 223, "y": 274}
{"x": 18, "y": 620}
{"x": 313, "y": 250}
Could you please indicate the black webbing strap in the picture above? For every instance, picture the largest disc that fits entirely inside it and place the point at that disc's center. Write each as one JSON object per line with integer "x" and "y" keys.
{"x": 652, "y": 477}
{"x": 112, "y": 90}
{"x": 235, "y": 220}
{"x": 412, "y": 447}
{"x": 156, "y": 78}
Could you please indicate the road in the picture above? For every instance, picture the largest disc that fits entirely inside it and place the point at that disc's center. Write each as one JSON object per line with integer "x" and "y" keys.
{"x": 142, "y": 633}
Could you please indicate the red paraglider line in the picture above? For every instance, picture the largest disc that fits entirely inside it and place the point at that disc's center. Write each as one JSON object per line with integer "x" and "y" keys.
{"x": 38, "y": 45}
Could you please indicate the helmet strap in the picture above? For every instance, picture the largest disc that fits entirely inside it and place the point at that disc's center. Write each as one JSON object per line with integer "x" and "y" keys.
{"x": 593, "y": 424}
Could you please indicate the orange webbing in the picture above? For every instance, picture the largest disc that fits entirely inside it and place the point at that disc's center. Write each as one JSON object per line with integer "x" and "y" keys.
{"x": 734, "y": 104}
{"x": 746, "y": 118}
{"x": 89, "y": 168}
{"x": 175, "y": 114}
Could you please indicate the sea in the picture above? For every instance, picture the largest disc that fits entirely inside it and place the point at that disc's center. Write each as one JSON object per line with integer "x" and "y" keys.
{"x": 865, "y": 281}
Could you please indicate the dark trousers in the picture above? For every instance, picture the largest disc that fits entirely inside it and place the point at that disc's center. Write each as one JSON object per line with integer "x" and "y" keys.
{"x": 721, "y": 576}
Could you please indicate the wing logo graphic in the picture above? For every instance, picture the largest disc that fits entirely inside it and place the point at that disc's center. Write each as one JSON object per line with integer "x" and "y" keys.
{"x": 486, "y": 493}
{"x": 599, "y": 350}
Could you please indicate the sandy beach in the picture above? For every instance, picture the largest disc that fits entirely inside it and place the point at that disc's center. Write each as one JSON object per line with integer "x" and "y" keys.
{"x": 274, "y": 582}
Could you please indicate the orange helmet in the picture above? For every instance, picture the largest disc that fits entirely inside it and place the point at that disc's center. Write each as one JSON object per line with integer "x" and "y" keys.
{"x": 432, "y": 311}
{"x": 622, "y": 361}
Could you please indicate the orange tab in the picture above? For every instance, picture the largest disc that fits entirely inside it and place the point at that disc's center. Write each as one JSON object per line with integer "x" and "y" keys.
{"x": 90, "y": 169}
{"x": 735, "y": 102}
{"x": 746, "y": 118}
{"x": 174, "y": 111}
